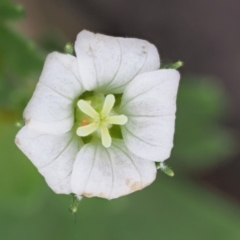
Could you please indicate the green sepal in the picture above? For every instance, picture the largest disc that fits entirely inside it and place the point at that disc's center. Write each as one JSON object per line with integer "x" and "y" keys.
{"x": 75, "y": 203}
{"x": 69, "y": 48}
{"x": 175, "y": 65}
{"x": 20, "y": 124}
{"x": 164, "y": 168}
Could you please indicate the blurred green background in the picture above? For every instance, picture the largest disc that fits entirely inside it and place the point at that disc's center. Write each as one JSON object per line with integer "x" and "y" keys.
{"x": 189, "y": 206}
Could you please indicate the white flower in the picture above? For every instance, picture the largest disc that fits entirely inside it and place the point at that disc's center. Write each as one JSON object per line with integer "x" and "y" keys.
{"x": 97, "y": 123}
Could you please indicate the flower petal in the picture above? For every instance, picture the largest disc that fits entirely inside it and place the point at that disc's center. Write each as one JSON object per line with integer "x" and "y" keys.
{"x": 109, "y": 63}
{"x": 50, "y": 109}
{"x": 149, "y": 102}
{"x": 53, "y": 155}
{"x": 110, "y": 172}
{"x": 61, "y": 74}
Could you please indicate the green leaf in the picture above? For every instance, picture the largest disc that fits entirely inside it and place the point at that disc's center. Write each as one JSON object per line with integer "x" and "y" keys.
{"x": 200, "y": 140}
{"x": 20, "y": 62}
{"x": 17, "y": 54}
{"x": 171, "y": 208}
{"x": 10, "y": 11}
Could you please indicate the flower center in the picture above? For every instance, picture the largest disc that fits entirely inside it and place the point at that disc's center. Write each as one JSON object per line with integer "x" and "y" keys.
{"x": 99, "y": 121}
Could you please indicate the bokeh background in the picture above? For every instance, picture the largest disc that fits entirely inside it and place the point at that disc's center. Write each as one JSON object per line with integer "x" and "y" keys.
{"x": 202, "y": 202}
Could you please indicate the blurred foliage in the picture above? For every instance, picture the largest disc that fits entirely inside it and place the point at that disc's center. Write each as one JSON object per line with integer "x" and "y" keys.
{"x": 52, "y": 40}
{"x": 170, "y": 209}
{"x": 19, "y": 60}
{"x": 10, "y": 11}
{"x": 200, "y": 139}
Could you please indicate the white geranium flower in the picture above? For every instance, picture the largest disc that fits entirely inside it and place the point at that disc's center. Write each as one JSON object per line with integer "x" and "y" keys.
{"x": 97, "y": 123}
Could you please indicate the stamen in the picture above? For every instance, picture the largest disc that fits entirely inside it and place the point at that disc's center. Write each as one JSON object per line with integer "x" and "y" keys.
{"x": 119, "y": 120}
{"x": 106, "y": 138}
{"x": 87, "y": 109}
{"x": 87, "y": 130}
{"x": 100, "y": 121}
{"x": 108, "y": 104}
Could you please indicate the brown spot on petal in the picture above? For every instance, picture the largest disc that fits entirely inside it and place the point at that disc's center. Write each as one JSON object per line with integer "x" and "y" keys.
{"x": 136, "y": 186}
{"x": 102, "y": 195}
{"x": 89, "y": 195}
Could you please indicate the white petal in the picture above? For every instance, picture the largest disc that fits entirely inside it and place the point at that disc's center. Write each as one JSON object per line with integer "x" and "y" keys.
{"x": 110, "y": 172}
{"x": 109, "y": 63}
{"x": 53, "y": 155}
{"x": 61, "y": 74}
{"x": 137, "y": 56}
{"x": 50, "y": 109}
{"x": 149, "y": 102}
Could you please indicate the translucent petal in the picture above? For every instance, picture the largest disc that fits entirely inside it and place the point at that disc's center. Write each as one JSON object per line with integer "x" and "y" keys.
{"x": 50, "y": 109}
{"x": 53, "y": 155}
{"x": 110, "y": 172}
{"x": 49, "y": 112}
{"x": 61, "y": 74}
{"x": 149, "y": 102}
{"x": 109, "y": 63}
